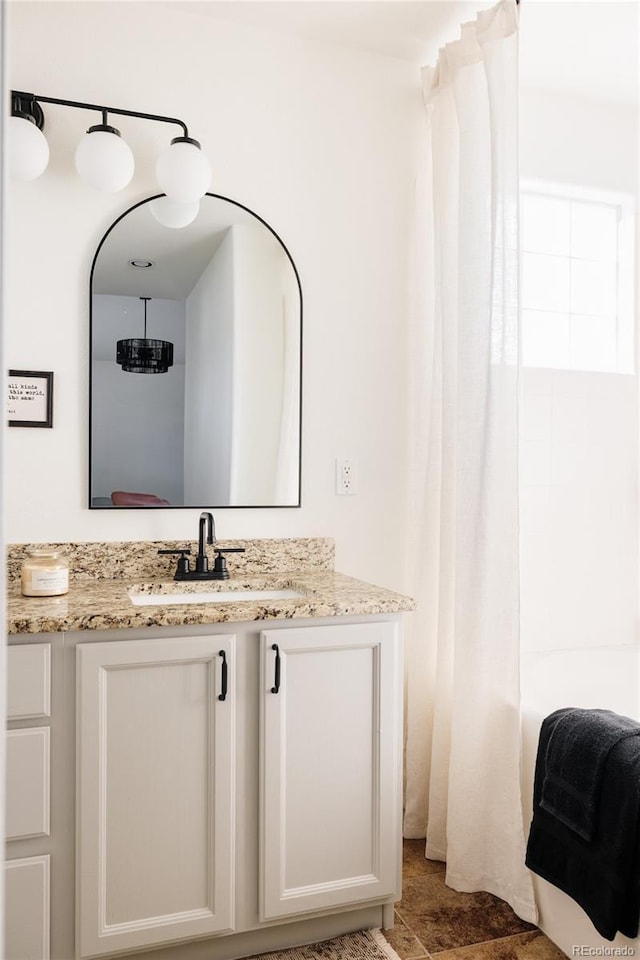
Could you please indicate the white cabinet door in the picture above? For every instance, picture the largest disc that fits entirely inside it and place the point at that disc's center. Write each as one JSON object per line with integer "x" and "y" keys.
{"x": 27, "y": 909}
{"x": 156, "y": 791}
{"x": 29, "y": 681}
{"x": 28, "y": 766}
{"x": 330, "y": 767}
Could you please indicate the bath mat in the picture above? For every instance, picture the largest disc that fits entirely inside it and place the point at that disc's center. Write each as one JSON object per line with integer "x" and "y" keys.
{"x": 363, "y": 945}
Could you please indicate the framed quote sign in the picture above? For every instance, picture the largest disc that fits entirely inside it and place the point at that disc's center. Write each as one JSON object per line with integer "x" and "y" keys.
{"x": 30, "y": 398}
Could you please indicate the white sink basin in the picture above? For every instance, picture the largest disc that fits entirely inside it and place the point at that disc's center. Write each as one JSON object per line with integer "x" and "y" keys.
{"x": 211, "y": 596}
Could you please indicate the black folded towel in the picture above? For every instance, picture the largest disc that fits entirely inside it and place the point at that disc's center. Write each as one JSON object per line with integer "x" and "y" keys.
{"x": 578, "y": 747}
{"x": 602, "y": 875}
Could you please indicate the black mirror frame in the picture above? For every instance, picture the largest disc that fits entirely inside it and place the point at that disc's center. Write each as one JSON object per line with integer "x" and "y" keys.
{"x": 201, "y": 506}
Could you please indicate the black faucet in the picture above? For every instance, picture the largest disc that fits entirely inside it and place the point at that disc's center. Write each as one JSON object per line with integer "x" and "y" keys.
{"x": 202, "y": 560}
{"x": 206, "y": 535}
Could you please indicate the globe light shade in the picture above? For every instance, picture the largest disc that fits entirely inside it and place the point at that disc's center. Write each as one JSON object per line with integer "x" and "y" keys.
{"x": 28, "y": 149}
{"x": 104, "y": 159}
{"x": 172, "y": 214}
{"x": 183, "y": 172}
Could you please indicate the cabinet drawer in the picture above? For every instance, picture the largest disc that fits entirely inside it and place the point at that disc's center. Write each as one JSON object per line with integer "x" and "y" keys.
{"x": 28, "y": 783}
{"x": 27, "y": 909}
{"x": 29, "y": 686}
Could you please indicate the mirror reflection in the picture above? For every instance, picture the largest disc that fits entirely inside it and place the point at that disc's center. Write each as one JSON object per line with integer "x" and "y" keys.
{"x": 195, "y": 363}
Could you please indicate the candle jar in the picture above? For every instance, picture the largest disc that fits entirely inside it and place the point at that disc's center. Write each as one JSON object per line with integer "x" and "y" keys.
{"x": 45, "y": 573}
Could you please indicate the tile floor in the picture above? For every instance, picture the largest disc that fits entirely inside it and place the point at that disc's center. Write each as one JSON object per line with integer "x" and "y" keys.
{"x": 434, "y": 921}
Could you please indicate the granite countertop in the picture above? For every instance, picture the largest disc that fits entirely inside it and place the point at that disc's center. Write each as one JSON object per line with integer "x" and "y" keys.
{"x": 106, "y": 604}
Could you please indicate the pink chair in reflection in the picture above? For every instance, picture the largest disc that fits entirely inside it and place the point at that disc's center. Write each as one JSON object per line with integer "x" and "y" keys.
{"x": 122, "y": 498}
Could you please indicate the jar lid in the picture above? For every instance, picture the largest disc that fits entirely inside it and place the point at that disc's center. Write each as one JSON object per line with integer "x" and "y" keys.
{"x": 50, "y": 554}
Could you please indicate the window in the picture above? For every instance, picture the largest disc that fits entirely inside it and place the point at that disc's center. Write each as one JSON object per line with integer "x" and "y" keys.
{"x": 577, "y": 282}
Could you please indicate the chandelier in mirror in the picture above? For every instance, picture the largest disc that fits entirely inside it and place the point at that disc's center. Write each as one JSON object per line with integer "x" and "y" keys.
{"x": 142, "y": 354}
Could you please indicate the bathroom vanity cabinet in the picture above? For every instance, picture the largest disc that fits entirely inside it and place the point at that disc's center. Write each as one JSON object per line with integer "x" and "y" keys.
{"x": 218, "y": 790}
{"x": 27, "y": 824}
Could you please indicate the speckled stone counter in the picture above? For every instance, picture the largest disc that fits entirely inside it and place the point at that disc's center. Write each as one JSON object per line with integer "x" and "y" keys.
{"x": 139, "y": 560}
{"x": 101, "y": 603}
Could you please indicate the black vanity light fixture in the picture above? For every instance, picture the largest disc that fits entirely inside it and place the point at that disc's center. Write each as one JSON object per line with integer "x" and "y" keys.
{"x": 104, "y": 159}
{"x": 142, "y": 355}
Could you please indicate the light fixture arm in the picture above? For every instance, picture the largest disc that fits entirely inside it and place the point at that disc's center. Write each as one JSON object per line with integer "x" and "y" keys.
{"x": 29, "y": 105}
{"x": 103, "y": 158}
{"x": 26, "y": 106}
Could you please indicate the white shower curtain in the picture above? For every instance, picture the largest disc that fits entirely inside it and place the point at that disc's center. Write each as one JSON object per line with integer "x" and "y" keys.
{"x": 463, "y": 732}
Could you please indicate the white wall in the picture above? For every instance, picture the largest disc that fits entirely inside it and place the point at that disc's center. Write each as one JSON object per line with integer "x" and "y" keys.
{"x": 258, "y": 363}
{"x": 578, "y": 509}
{"x": 287, "y": 478}
{"x": 209, "y": 387}
{"x": 138, "y": 420}
{"x": 572, "y": 139}
{"x": 322, "y": 142}
{"x": 579, "y": 430}
{"x": 138, "y": 439}
{"x": 4, "y": 93}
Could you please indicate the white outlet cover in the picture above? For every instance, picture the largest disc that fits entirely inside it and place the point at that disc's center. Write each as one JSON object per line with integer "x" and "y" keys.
{"x": 346, "y": 476}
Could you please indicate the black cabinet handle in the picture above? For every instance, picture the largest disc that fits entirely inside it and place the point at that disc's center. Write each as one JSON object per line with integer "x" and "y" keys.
{"x": 223, "y": 695}
{"x": 276, "y": 687}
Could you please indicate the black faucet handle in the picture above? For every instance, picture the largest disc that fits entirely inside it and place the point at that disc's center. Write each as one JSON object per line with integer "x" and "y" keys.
{"x": 183, "y": 563}
{"x": 220, "y": 563}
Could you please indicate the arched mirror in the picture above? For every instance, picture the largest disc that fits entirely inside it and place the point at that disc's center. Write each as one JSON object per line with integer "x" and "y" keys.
{"x": 196, "y": 337}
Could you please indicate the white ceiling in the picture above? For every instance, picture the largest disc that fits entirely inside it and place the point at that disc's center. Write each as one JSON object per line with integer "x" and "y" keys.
{"x": 178, "y": 256}
{"x": 584, "y": 47}
{"x": 407, "y": 29}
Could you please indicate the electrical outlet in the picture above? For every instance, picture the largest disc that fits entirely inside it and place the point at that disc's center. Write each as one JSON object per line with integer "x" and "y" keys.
{"x": 346, "y": 477}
